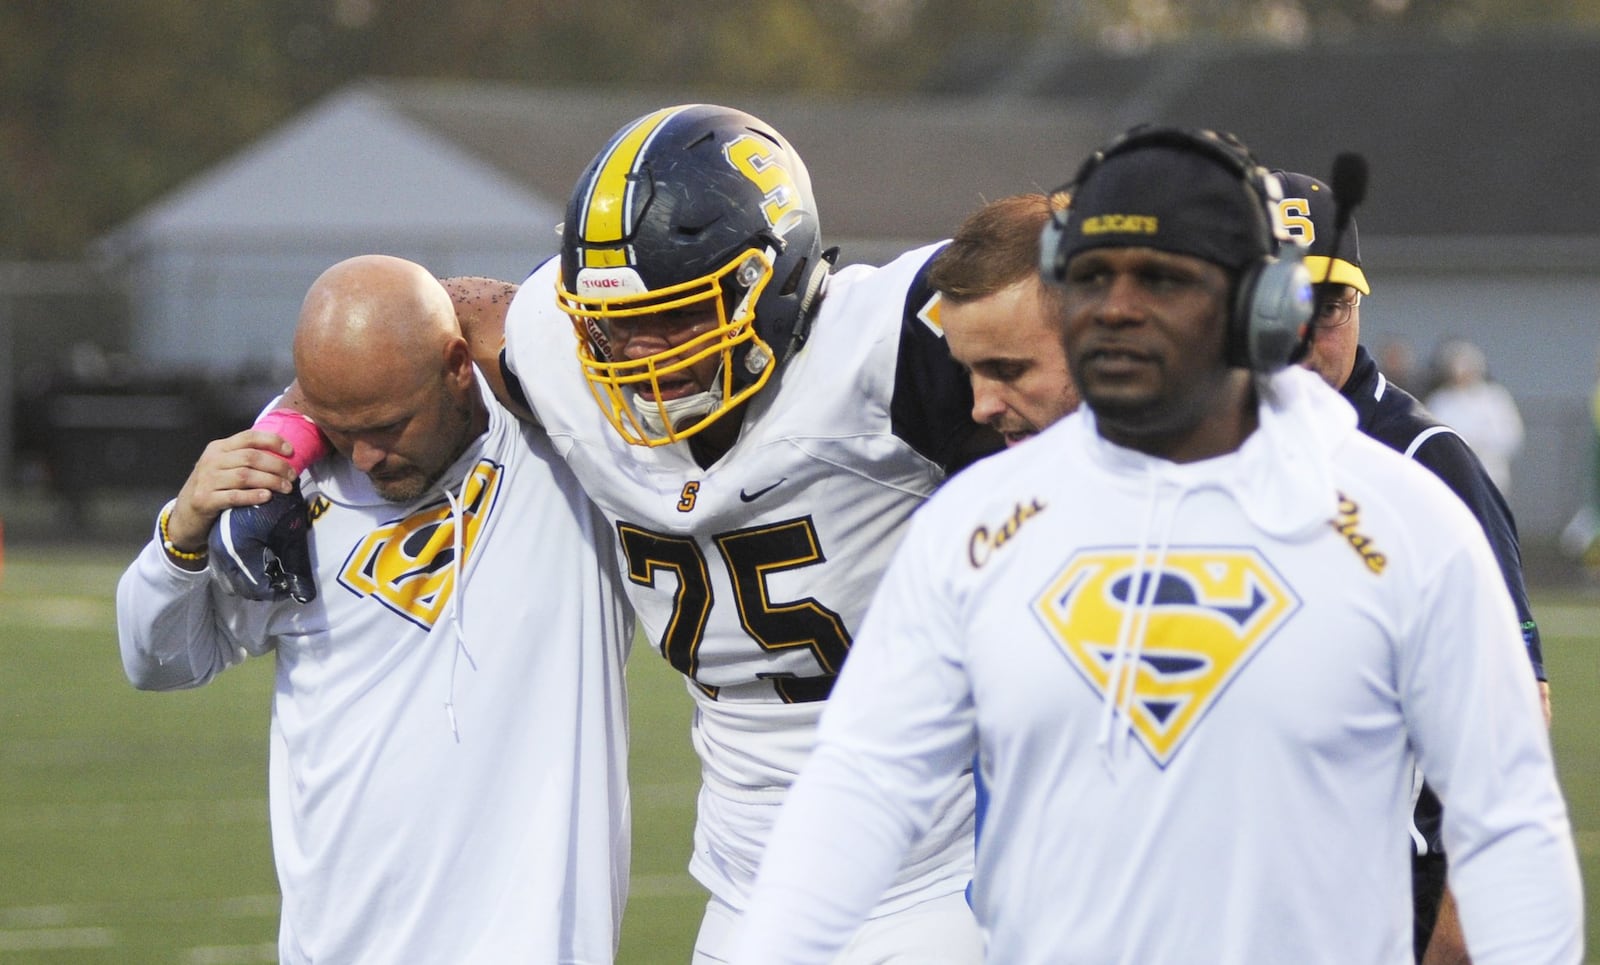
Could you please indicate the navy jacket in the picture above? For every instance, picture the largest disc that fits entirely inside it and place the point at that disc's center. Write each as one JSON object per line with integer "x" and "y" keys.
{"x": 1395, "y": 418}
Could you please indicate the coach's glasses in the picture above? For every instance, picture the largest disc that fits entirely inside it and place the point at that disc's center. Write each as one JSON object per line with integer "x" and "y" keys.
{"x": 1333, "y": 311}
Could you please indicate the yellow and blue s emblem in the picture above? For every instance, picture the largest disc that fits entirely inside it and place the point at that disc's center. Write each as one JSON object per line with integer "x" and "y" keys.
{"x": 408, "y": 565}
{"x": 1210, "y": 611}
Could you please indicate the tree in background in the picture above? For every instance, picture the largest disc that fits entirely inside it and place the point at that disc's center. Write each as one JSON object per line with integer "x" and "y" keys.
{"x": 106, "y": 104}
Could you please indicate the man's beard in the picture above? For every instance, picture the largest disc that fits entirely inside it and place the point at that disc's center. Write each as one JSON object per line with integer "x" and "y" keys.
{"x": 414, "y": 484}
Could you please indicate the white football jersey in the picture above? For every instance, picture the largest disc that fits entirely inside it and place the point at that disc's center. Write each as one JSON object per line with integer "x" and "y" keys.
{"x": 1195, "y": 691}
{"x": 752, "y": 576}
{"x": 447, "y": 768}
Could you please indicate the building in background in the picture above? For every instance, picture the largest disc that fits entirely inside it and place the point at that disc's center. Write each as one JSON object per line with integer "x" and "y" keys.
{"x": 1477, "y": 222}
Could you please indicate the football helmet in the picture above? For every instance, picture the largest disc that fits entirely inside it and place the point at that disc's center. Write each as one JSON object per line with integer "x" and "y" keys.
{"x": 690, "y": 208}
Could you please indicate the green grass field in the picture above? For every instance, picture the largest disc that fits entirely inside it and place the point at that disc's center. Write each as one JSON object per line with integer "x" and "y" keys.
{"x": 133, "y": 827}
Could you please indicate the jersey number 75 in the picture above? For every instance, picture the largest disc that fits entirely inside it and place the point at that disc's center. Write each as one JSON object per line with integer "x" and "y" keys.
{"x": 749, "y": 555}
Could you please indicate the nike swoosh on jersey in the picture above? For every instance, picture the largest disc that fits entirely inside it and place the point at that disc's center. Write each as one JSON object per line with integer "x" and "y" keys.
{"x": 752, "y": 497}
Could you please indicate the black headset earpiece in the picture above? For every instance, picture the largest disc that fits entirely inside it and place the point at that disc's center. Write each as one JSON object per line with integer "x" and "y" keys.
{"x": 1271, "y": 303}
{"x": 1271, "y": 308}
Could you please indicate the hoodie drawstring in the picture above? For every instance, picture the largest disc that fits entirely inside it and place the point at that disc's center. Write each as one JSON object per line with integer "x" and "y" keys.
{"x": 1112, "y": 695}
{"x": 458, "y": 589}
{"x": 1137, "y": 606}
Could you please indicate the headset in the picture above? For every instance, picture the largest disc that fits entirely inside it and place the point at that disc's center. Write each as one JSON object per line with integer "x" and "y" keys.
{"x": 1271, "y": 304}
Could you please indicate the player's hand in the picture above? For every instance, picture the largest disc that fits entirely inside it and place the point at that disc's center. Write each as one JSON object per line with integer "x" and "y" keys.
{"x": 242, "y": 501}
{"x": 245, "y": 469}
{"x": 263, "y": 552}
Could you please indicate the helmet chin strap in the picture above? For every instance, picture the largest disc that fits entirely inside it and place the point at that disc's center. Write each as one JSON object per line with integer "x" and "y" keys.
{"x": 677, "y": 410}
{"x": 816, "y": 284}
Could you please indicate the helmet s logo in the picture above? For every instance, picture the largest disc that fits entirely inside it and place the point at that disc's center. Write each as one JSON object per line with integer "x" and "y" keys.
{"x": 1295, "y": 213}
{"x": 1211, "y": 610}
{"x": 704, "y": 212}
{"x": 756, "y": 159}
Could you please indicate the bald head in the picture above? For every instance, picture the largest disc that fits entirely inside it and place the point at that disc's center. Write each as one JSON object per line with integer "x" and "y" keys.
{"x": 371, "y": 325}
{"x": 385, "y": 372}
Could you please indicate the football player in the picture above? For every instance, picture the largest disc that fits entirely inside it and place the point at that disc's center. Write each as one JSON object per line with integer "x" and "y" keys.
{"x": 759, "y": 429}
{"x": 1395, "y": 418}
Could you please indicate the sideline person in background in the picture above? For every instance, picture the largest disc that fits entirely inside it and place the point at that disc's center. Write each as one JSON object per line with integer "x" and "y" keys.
{"x": 1000, "y": 319}
{"x": 1580, "y": 538}
{"x": 1591, "y": 551}
{"x": 1389, "y": 414}
{"x": 1482, "y": 410}
{"x": 447, "y": 776}
{"x": 1195, "y": 632}
{"x": 1397, "y": 361}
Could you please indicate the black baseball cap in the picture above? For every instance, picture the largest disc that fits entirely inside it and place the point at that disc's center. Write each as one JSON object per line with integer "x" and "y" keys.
{"x": 1171, "y": 198}
{"x": 1308, "y": 216}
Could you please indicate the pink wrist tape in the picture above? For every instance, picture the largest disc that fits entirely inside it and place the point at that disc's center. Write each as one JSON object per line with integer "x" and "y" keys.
{"x": 301, "y": 433}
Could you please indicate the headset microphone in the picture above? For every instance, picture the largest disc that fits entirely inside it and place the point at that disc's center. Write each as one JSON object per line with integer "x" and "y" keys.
{"x": 1349, "y": 184}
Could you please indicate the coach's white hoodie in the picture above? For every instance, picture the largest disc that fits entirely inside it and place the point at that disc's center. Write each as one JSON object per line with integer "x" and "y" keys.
{"x": 1194, "y": 691}
{"x": 447, "y": 764}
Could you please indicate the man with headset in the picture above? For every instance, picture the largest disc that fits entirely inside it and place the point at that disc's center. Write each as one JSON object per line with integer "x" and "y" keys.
{"x": 1394, "y": 417}
{"x": 1194, "y": 634}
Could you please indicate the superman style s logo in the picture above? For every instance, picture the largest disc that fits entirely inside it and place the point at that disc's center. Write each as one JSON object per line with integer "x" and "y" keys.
{"x": 1212, "y": 610}
{"x": 408, "y": 565}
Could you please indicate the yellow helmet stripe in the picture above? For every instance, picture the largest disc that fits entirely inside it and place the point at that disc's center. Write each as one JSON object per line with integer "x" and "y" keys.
{"x": 606, "y": 203}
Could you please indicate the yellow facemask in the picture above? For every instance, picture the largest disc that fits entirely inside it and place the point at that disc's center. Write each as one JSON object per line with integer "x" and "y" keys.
{"x": 613, "y": 294}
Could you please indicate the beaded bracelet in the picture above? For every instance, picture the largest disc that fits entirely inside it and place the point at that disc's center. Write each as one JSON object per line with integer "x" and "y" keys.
{"x": 169, "y": 547}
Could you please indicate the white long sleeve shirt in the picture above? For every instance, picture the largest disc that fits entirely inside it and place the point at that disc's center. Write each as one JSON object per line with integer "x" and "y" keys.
{"x": 434, "y": 798}
{"x": 1217, "y": 769}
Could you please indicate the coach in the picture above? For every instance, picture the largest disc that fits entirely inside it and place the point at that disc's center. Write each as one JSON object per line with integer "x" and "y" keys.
{"x": 1196, "y": 671}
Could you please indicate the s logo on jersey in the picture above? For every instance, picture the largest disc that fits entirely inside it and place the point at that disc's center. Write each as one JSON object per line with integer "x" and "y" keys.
{"x": 1212, "y": 610}
{"x": 409, "y": 564}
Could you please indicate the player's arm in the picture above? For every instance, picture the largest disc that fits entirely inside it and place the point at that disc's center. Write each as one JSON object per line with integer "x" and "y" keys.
{"x": 255, "y": 526}
{"x": 481, "y": 306}
{"x": 245, "y": 469}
